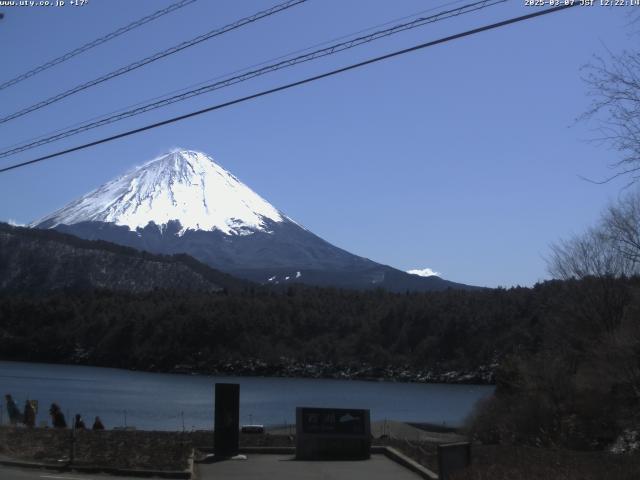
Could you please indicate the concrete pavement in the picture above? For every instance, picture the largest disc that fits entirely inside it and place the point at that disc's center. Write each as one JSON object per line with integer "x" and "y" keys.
{"x": 257, "y": 466}
{"x": 275, "y": 467}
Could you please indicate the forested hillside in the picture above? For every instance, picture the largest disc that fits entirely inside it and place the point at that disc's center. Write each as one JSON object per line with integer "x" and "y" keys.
{"x": 40, "y": 261}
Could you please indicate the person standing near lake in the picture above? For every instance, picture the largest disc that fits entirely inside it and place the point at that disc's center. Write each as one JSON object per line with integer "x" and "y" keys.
{"x": 79, "y": 423}
{"x": 97, "y": 424}
{"x": 30, "y": 413}
{"x": 57, "y": 417}
{"x": 14, "y": 413}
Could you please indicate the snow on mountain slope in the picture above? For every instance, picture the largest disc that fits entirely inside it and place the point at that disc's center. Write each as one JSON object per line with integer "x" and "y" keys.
{"x": 182, "y": 185}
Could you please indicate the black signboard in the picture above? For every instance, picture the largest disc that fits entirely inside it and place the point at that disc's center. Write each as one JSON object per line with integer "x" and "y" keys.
{"x": 227, "y": 419}
{"x": 332, "y": 433}
{"x": 333, "y": 421}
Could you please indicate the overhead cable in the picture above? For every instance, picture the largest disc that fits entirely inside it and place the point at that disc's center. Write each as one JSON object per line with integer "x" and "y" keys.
{"x": 156, "y": 56}
{"x": 287, "y": 86}
{"x": 323, "y": 52}
{"x": 98, "y": 41}
{"x": 228, "y": 74}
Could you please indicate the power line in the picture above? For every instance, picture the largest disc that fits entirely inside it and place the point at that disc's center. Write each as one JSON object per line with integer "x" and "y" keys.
{"x": 28, "y": 142}
{"x": 96, "y": 42}
{"x": 156, "y": 56}
{"x": 295, "y": 84}
{"x": 330, "y": 50}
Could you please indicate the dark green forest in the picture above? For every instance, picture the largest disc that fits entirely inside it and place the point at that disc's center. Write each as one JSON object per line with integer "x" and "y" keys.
{"x": 566, "y": 354}
{"x": 161, "y": 330}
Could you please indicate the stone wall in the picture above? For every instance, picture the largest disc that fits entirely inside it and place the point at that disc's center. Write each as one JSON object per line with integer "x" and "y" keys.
{"x": 37, "y": 444}
{"x": 132, "y": 449}
{"x": 112, "y": 448}
{"x": 116, "y": 448}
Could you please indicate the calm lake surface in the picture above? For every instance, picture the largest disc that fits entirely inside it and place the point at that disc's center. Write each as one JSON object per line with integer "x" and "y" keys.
{"x": 155, "y": 401}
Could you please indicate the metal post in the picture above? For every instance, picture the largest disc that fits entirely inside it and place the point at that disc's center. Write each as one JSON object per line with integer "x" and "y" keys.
{"x": 226, "y": 419}
{"x": 72, "y": 449}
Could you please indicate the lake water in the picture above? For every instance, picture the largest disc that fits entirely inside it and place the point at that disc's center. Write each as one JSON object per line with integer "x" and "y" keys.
{"x": 155, "y": 401}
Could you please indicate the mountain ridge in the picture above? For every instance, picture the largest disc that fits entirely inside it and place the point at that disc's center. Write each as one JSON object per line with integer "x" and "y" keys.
{"x": 183, "y": 202}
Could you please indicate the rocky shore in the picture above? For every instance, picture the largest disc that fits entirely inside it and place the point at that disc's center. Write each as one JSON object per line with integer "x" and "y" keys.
{"x": 481, "y": 375}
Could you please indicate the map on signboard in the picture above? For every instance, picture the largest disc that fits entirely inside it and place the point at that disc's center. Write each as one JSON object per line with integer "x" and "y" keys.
{"x": 333, "y": 421}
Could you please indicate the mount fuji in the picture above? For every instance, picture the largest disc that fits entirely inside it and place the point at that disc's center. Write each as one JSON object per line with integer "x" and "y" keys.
{"x": 184, "y": 202}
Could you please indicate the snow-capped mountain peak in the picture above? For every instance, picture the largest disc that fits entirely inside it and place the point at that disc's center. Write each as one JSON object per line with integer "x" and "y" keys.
{"x": 196, "y": 207}
{"x": 182, "y": 185}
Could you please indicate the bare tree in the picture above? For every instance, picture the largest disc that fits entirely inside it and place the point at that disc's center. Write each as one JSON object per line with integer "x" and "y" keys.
{"x": 591, "y": 254}
{"x": 614, "y": 86}
{"x": 621, "y": 224}
{"x": 611, "y": 248}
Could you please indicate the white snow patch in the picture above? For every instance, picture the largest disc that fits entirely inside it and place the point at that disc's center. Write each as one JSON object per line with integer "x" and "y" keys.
{"x": 14, "y": 223}
{"x": 298, "y": 274}
{"x": 424, "y": 272}
{"x": 271, "y": 279}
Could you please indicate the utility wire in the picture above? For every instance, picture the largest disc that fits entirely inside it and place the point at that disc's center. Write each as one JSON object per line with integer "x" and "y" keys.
{"x": 28, "y": 141}
{"x": 98, "y": 41}
{"x": 156, "y": 56}
{"x": 295, "y": 84}
{"x": 330, "y": 50}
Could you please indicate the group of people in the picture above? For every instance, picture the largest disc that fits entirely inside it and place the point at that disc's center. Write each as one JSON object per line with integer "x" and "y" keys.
{"x": 28, "y": 416}
{"x": 78, "y": 423}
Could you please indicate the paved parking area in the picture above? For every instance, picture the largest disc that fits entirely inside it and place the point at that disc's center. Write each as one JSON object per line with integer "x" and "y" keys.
{"x": 274, "y": 467}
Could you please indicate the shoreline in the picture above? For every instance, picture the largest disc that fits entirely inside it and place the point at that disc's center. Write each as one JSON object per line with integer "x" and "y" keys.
{"x": 482, "y": 375}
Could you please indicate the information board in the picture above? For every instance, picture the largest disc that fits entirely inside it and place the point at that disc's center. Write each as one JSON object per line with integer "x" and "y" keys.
{"x": 332, "y": 433}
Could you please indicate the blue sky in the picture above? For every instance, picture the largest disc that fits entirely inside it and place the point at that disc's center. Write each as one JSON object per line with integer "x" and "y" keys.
{"x": 464, "y": 158}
